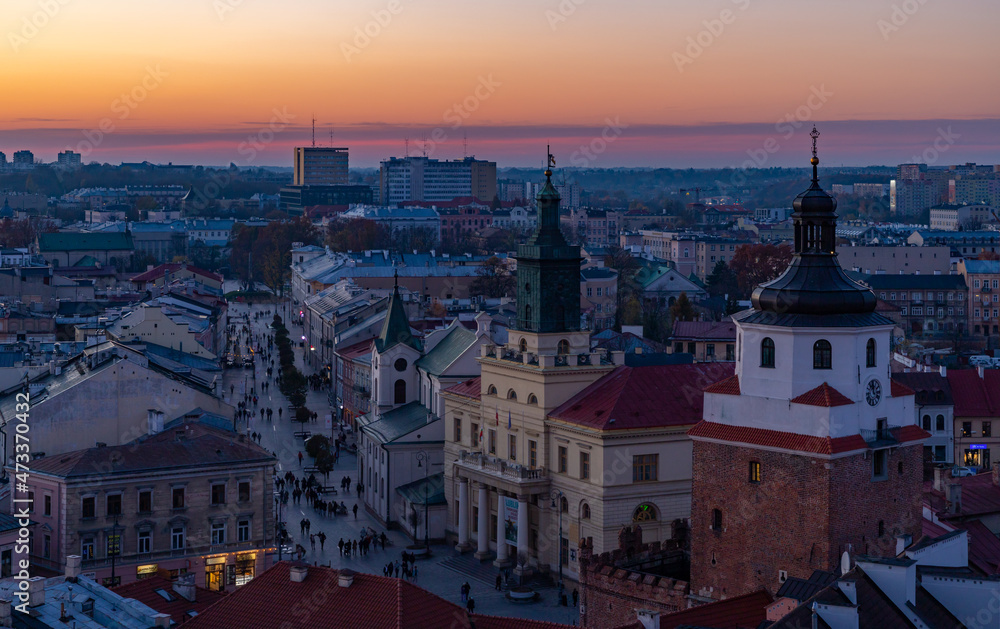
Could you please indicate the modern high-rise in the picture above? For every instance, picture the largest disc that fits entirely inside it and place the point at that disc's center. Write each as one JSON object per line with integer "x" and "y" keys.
{"x": 24, "y": 159}
{"x": 402, "y": 180}
{"x": 320, "y": 166}
{"x": 69, "y": 159}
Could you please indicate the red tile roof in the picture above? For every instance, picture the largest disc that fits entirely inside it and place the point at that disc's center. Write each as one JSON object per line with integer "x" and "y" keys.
{"x": 740, "y": 612}
{"x": 157, "y": 272}
{"x": 372, "y": 602}
{"x": 979, "y": 496}
{"x": 644, "y": 397}
{"x": 704, "y": 330}
{"x": 823, "y": 395}
{"x": 975, "y": 396}
{"x": 898, "y": 389}
{"x": 729, "y": 386}
{"x": 777, "y": 438}
{"x": 984, "y": 547}
{"x": 144, "y": 591}
{"x": 356, "y": 350}
{"x": 506, "y": 622}
{"x": 470, "y": 388}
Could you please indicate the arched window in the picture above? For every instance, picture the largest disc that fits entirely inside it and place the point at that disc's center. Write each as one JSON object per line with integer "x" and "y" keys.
{"x": 585, "y": 511}
{"x": 511, "y": 395}
{"x": 523, "y": 345}
{"x": 939, "y": 426}
{"x": 927, "y": 422}
{"x": 767, "y": 353}
{"x": 870, "y": 353}
{"x": 527, "y": 313}
{"x": 564, "y": 505}
{"x": 399, "y": 392}
{"x": 532, "y": 399}
{"x": 492, "y": 390}
{"x": 644, "y": 513}
{"x": 822, "y": 355}
{"x": 563, "y": 347}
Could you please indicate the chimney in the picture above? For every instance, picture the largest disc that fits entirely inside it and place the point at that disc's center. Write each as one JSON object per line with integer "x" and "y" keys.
{"x": 184, "y": 586}
{"x": 939, "y": 479}
{"x": 73, "y": 565}
{"x": 298, "y": 573}
{"x": 954, "y": 496}
{"x": 154, "y": 421}
{"x": 648, "y": 618}
{"x": 981, "y": 370}
{"x": 6, "y": 620}
{"x": 36, "y": 591}
{"x": 996, "y": 474}
{"x": 345, "y": 578}
{"x": 161, "y": 620}
{"x": 903, "y": 542}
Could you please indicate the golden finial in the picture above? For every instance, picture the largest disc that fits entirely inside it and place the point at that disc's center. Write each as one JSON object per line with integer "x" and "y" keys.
{"x": 814, "y": 135}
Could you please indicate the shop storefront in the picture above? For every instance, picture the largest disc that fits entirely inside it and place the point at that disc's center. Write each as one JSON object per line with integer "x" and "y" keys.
{"x": 215, "y": 573}
{"x": 244, "y": 568}
{"x": 977, "y": 455}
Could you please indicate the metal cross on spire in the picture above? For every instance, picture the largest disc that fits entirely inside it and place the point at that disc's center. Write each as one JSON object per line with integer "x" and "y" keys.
{"x": 814, "y": 134}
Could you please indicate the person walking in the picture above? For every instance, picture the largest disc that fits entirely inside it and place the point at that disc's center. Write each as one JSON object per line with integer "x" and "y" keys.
{"x": 414, "y": 573}
{"x": 340, "y": 545}
{"x": 354, "y": 547}
{"x": 499, "y": 582}
{"x": 471, "y": 605}
{"x": 312, "y": 541}
{"x": 300, "y": 459}
{"x": 322, "y": 541}
{"x": 355, "y": 511}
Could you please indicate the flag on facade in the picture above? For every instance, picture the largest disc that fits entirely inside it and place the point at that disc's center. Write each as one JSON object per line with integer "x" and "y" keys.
{"x": 480, "y": 435}
{"x": 498, "y": 414}
{"x": 508, "y": 419}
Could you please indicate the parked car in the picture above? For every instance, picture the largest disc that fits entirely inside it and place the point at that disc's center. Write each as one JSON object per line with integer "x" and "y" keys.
{"x": 248, "y": 362}
{"x": 959, "y": 472}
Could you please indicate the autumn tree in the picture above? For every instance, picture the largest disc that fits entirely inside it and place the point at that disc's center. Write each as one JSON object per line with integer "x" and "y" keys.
{"x": 357, "y": 234}
{"x": 757, "y": 264}
{"x": 19, "y": 233}
{"x": 266, "y": 252}
{"x": 493, "y": 279}
{"x": 682, "y": 310}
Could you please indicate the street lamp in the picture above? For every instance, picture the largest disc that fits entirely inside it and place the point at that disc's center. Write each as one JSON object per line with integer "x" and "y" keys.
{"x": 277, "y": 523}
{"x": 421, "y": 459}
{"x": 558, "y": 494}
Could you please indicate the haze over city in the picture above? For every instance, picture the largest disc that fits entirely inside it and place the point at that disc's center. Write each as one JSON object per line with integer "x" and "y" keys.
{"x": 680, "y": 84}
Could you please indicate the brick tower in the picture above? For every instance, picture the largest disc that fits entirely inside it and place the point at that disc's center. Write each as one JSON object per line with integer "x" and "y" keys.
{"x": 809, "y": 450}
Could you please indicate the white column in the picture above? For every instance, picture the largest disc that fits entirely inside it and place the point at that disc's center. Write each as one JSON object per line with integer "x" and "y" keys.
{"x": 522, "y": 526}
{"x": 501, "y": 559}
{"x": 463, "y": 515}
{"x": 483, "y": 535}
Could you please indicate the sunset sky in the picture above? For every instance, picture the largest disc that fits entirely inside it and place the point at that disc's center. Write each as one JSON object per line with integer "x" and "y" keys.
{"x": 219, "y": 81}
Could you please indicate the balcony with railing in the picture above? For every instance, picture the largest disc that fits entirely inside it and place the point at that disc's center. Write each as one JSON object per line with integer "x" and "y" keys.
{"x": 883, "y": 437}
{"x": 499, "y": 468}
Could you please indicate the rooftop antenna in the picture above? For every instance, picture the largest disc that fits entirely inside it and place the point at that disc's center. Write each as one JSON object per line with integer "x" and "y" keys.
{"x": 465, "y": 144}
{"x": 423, "y": 146}
{"x": 314, "y": 131}
{"x": 331, "y": 137}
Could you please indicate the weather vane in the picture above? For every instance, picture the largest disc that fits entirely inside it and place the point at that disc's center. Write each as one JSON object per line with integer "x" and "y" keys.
{"x": 552, "y": 160}
{"x": 814, "y": 134}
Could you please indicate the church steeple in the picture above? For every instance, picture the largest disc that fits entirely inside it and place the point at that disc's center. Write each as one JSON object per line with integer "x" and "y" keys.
{"x": 548, "y": 270}
{"x": 814, "y": 283}
{"x": 396, "y": 328}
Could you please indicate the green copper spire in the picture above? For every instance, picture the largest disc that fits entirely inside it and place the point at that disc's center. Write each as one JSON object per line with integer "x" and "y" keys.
{"x": 396, "y": 327}
{"x": 548, "y": 271}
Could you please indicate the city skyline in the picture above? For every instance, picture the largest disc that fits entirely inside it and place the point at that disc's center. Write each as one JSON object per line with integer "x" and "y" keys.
{"x": 700, "y": 84}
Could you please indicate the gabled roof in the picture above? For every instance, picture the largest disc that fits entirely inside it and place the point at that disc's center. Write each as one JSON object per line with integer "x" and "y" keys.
{"x": 704, "y": 331}
{"x": 802, "y": 589}
{"x": 984, "y": 547}
{"x": 145, "y": 591}
{"x": 979, "y": 497}
{"x": 631, "y": 398}
{"x": 929, "y": 388}
{"x": 396, "y": 327}
{"x": 84, "y": 241}
{"x": 823, "y": 395}
{"x": 739, "y": 612}
{"x": 372, "y": 602}
{"x": 399, "y": 422}
{"x": 201, "y": 446}
{"x": 430, "y": 489}
{"x": 160, "y": 271}
{"x": 449, "y": 349}
{"x": 975, "y": 396}
{"x": 729, "y": 386}
{"x": 471, "y": 388}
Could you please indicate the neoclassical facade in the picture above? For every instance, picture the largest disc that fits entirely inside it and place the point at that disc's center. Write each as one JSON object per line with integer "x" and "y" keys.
{"x": 555, "y": 443}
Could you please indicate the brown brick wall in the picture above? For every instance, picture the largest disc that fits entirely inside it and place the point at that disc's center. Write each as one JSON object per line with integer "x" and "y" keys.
{"x": 799, "y": 518}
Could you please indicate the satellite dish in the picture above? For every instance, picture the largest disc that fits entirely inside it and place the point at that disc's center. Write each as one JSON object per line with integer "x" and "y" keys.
{"x": 845, "y": 563}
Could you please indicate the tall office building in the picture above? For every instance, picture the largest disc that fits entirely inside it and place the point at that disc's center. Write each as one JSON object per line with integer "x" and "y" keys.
{"x": 402, "y": 180}
{"x": 320, "y": 166}
{"x": 69, "y": 159}
{"x": 24, "y": 159}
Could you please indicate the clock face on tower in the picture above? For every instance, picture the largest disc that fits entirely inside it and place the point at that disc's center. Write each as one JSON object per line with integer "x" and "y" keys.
{"x": 873, "y": 393}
